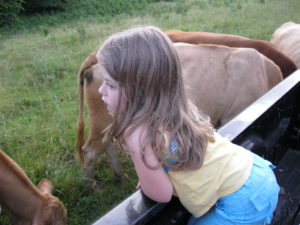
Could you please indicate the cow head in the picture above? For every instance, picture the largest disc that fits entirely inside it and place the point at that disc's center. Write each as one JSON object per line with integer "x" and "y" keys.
{"x": 52, "y": 211}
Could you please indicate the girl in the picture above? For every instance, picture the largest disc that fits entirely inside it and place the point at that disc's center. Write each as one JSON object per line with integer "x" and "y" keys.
{"x": 174, "y": 149}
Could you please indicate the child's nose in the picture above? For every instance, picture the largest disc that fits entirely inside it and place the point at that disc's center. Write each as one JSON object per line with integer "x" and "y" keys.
{"x": 101, "y": 89}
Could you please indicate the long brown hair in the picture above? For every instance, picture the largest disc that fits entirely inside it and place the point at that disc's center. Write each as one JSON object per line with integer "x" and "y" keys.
{"x": 145, "y": 64}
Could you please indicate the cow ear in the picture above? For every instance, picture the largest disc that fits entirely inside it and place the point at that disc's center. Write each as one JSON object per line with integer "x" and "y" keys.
{"x": 45, "y": 186}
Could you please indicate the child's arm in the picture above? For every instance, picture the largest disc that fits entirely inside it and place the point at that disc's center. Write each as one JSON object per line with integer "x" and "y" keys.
{"x": 155, "y": 183}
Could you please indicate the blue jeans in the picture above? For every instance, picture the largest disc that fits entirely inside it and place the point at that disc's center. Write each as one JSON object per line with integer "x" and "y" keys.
{"x": 252, "y": 204}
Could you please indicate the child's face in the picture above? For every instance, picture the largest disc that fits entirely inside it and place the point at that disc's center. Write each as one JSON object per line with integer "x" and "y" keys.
{"x": 110, "y": 92}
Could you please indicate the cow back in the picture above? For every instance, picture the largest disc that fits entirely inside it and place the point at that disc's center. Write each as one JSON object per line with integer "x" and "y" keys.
{"x": 222, "y": 81}
{"x": 287, "y": 39}
{"x": 285, "y": 63}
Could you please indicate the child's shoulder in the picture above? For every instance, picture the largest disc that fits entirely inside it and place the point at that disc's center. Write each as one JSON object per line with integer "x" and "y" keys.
{"x": 134, "y": 136}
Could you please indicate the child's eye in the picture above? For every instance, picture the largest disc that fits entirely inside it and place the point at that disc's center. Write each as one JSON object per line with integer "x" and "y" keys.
{"x": 109, "y": 85}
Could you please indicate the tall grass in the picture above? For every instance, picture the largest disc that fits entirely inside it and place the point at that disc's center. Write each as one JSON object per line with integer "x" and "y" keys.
{"x": 39, "y": 96}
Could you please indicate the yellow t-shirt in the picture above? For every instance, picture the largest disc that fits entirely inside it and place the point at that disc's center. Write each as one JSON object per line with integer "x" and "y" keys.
{"x": 225, "y": 169}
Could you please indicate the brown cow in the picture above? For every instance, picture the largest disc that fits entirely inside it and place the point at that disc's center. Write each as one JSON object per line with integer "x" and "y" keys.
{"x": 220, "y": 80}
{"x": 25, "y": 203}
{"x": 89, "y": 151}
{"x": 287, "y": 39}
{"x": 285, "y": 63}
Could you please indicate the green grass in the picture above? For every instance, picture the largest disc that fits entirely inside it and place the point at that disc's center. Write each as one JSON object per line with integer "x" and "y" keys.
{"x": 38, "y": 86}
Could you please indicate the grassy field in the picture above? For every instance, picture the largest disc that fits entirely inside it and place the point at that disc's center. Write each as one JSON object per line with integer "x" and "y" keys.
{"x": 39, "y": 94}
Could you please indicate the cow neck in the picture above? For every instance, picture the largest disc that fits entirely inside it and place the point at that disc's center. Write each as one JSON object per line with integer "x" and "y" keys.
{"x": 18, "y": 193}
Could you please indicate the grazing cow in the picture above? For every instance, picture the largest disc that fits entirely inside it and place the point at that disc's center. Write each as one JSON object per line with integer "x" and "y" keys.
{"x": 25, "y": 203}
{"x": 220, "y": 80}
{"x": 286, "y": 64}
{"x": 287, "y": 39}
{"x": 89, "y": 151}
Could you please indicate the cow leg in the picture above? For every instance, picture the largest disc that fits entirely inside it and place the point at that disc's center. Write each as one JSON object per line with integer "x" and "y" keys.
{"x": 112, "y": 154}
{"x": 92, "y": 151}
{"x": 91, "y": 155}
